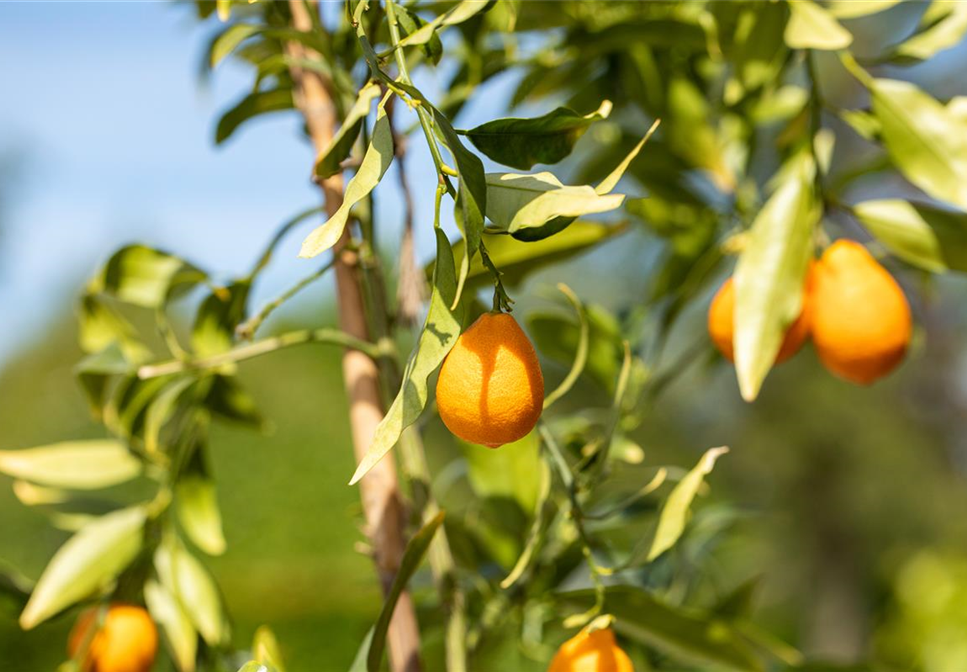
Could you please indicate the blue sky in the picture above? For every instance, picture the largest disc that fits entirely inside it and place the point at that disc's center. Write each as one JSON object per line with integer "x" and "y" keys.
{"x": 104, "y": 107}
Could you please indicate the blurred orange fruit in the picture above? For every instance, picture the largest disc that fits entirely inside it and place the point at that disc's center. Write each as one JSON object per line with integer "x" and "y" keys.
{"x": 591, "y": 651}
{"x": 490, "y": 390}
{"x": 861, "y": 322}
{"x": 127, "y": 641}
{"x": 721, "y": 324}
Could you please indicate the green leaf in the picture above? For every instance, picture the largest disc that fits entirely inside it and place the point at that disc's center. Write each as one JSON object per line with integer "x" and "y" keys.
{"x": 82, "y": 465}
{"x": 252, "y": 105}
{"x": 770, "y": 273}
{"x": 255, "y": 666}
{"x": 674, "y": 514}
{"x": 558, "y": 337}
{"x": 688, "y": 635}
{"x": 218, "y": 315}
{"x": 161, "y": 409}
{"x": 230, "y": 401}
{"x": 516, "y": 201}
{"x": 143, "y": 276}
{"x": 864, "y": 123}
{"x": 581, "y": 353}
{"x": 522, "y": 143}
{"x": 608, "y": 184}
{"x": 86, "y": 563}
{"x": 812, "y": 27}
{"x": 183, "y": 575}
{"x": 850, "y": 9}
{"x": 196, "y": 504}
{"x": 513, "y": 473}
{"x": 440, "y": 332}
{"x": 412, "y": 557}
{"x": 925, "y": 142}
{"x": 516, "y": 259}
{"x": 456, "y": 14}
{"x": 328, "y": 163}
{"x": 375, "y": 162}
{"x": 100, "y": 326}
{"x": 228, "y": 40}
{"x": 925, "y": 236}
{"x": 179, "y": 633}
{"x": 266, "y": 649}
{"x": 410, "y": 22}
{"x": 942, "y": 26}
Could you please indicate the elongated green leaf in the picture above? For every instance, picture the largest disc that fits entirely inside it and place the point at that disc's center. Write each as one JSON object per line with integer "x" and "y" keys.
{"x": 266, "y": 649}
{"x": 942, "y": 26}
{"x": 922, "y": 235}
{"x": 179, "y": 633}
{"x": 161, "y": 409}
{"x": 513, "y": 474}
{"x": 812, "y": 27}
{"x": 218, "y": 316}
{"x": 145, "y": 277}
{"x": 542, "y": 510}
{"x": 86, "y": 563}
{"x": 440, "y": 332}
{"x": 925, "y": 142}
{"x": 412, "y": 557}
{"x": 227, "y": 41}
{"x": 522, "y": 143}
{"x": 851, "y": 9}
{"x": 516, "y": 201}
{"x": 255, "y": 666}
{"x": 252, "y": 105}
{"x": 608, "y": 184}
{"x": 329, "y": 159}
{"x": 770, "y": 274}
{"x": 99, "y": 325}
{"x": 688, "y": 635}
{"x": 410, "y": 22}
{"x": 516, "y": 259}
{"x": 183, "y": 575}
{"x": 376, "y": 161}
{"x": 456, "y": 14}
{"x": 580, "y": 355}
{"x": 559, "y": 337}
{"x": 197, "y": 505}
{"x": 82, "y": 465}
{"x": 674, "y": 514}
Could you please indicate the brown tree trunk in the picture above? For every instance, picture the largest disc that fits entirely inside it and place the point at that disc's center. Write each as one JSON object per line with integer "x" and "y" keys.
{"x": 379, "y": 489}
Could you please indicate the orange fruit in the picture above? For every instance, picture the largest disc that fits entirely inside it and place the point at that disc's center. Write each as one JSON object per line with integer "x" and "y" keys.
{"x": 861, "y": 322}
{"x": 591, "y": 651}
{"x": 721, "y": 326}
{"x": 127, "y": 641}
{"x": 490, "y": 390}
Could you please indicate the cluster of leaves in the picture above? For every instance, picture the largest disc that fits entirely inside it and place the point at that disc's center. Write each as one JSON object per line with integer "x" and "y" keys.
{"x": 581, "y": 532}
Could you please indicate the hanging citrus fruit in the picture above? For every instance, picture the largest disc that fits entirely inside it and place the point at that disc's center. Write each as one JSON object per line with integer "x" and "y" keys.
{"x": 127, "y": 640}
{"x": 490, "y": 390}
{"x": 861, "y": 322}
{"x": 591, "y": 651}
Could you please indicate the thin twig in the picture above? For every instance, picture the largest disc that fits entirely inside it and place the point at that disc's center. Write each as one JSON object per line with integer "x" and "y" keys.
{"x": 247, "y": 329}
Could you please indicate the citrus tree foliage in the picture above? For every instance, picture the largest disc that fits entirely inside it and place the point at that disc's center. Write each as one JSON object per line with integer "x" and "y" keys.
{"x": 573, "y": 521}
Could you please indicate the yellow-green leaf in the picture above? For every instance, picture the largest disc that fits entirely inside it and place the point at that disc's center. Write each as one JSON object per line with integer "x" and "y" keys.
{"x": 812, "y": 27}
{"x": 83, "y": 465}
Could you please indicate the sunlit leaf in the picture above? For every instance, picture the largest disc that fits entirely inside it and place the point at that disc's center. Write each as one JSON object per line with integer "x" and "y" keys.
{"x": 925, "y": 236}
{"x": 440, "y": 332}
{"x": 376, "y": 161}
{"x": 813, "y": 27}
{"x": 942, "y": 26}
{"x": 770, "y": 274}
{"x": 197, "y": 505}
{"x": 458, "y": 13}
{"x": 328, "y": 163}
{"x": 266, "y": 649}
{"x": 218, "y": 316}
{"x": 674, "y": 514}
{"x": 522, "y": 143}
{"x": 925, "y": 142}
{"x": 851, "y": 9}
{"x": 252, "y": 105}
{"x": 161, "y": 409}
{"x": 228, "y": 40}
{"x": 145, "y": 277}
{"x": 180, "y": 634}
{"x": 183, "y": 575}
{"x": 410, "y": 22}
{"x": 83, "y": 465}
{"x": 86, "y": 563}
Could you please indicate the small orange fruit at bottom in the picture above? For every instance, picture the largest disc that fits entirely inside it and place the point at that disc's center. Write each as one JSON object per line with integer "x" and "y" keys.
{"x": 591, "y": 651}
{"x": 491, "y": 390}
{"x": 861, "y": 322}
{"x": 721, "y": 326}
{"x": 127, "y": 641}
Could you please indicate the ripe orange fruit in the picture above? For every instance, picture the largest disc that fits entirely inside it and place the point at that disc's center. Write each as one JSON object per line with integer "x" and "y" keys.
{"x": 490, "y": 390}
{"x": 126, "y": 642}
{"x": 721, "y": 325}
{"x": 594, "y": 651}
{"x": 861, "y": 321}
